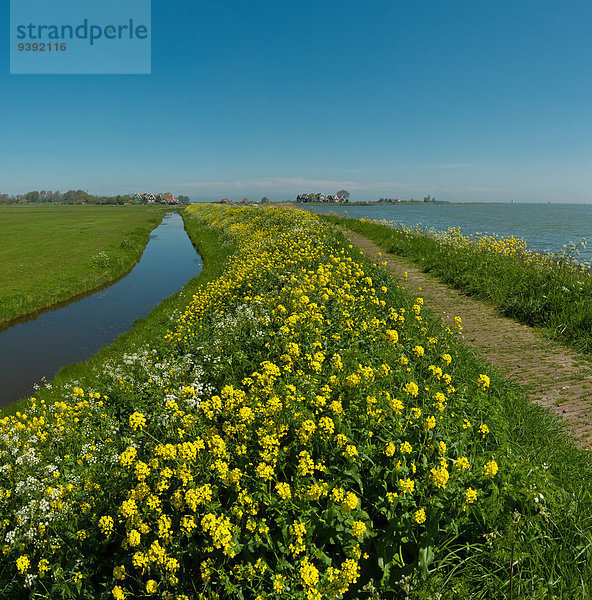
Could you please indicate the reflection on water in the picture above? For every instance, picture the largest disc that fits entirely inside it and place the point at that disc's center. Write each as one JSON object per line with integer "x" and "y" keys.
{"x": 544, "y": 227}
{"x": 39, "y": 348}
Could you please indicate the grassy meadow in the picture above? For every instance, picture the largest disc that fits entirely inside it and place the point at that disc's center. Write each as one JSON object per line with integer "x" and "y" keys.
{"x": 550, "y": 291}
{"x": 52, "y": 253}
{"x": 290, "y": 425}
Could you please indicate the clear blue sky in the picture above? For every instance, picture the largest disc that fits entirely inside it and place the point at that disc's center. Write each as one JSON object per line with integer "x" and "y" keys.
{"x": 463, "y": 100}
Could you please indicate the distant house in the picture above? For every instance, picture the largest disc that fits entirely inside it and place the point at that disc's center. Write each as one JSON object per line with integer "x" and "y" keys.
{"x": 145, "y": 198}
{"x": 319, "y": 198}
{"x": 148, "y": 198}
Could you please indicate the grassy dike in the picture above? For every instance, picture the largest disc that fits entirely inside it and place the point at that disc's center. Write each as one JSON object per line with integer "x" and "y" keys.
{"x": 550, "y": 292}
{"x": 300, "y": 429}
{"x": 50, "y": 254}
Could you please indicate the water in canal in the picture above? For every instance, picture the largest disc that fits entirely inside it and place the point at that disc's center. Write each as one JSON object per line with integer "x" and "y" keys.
{"x": 38, "y": 348}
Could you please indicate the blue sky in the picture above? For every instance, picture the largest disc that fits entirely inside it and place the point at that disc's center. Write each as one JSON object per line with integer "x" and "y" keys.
{"x": 466, "y": 101}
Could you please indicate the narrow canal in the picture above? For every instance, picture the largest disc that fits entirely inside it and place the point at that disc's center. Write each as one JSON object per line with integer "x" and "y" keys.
{"x": 37, "y": 349}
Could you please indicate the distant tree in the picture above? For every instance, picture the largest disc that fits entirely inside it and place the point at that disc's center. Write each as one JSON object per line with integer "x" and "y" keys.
{"x": 265, "y": 200}
{"x": 33, "y": 196}
{"x": 70, "y": 196}
{"x": 343, "y": 194}
{"x": 184, "y": 199}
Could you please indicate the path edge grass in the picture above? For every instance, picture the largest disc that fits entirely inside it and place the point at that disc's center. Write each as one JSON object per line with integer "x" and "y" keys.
{"x": 536, "y": 437}
{"x": 552, "y": 321}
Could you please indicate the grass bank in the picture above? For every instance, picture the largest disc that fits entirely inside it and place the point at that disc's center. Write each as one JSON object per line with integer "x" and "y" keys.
{"x": 302, "y": 429}
{"x": 214, "y": 250}
{"x": 551, "y": 292}
{"x": 52, "y": 253}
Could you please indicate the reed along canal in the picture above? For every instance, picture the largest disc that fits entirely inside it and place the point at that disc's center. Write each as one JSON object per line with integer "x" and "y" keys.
{"x": 36, "y": 349}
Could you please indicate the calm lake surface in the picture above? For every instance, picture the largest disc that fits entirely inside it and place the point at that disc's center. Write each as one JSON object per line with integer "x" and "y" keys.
{"x": 544, "y": 227}
{"x": 39, "y": 348}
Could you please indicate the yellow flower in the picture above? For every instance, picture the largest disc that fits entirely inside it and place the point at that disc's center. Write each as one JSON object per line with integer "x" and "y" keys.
{"x": 490, "y": 469}
{"x": 140, "y": 560}
{"x": 391, "y": 496}
{"x": 429, "y": 423}
{"x": 358, "y": 529}
{"x": 43, "y": 566}
{"x": 411, "y": 389}
{"x": 283, "y": 490}
{"x": 419, "y": 516}
{"x": 463, "y": 463}
{"x": 118, "y": 593}
{"x": 133, "y": 538}
{"x": 392, "y": 336}
{"x": 309, "y": 574}
{"x": 137, "y": 421}
{"x": 351, "y": 452}
{"x": 151, "y": 586}
{"x": 407, "y": 485}
{"x": 279, "y": 582}
{"x": 470, "y": 496}
{"x": 440, "y": 476}
{"x": 350, "y": 502}
{"x": 22, "y": 564}
{"x": 119, "y": 572}
{"x": 405, "y": 448}
{"x": 327, "y": 425}
{"x": 142, "y": 470}
{"x": 483, "y": 381}
{"x": 305, "y": 464}
{"x": 106, "y": 524}
{"x": 128, "y": 456}
{"x": 188, "y": 524}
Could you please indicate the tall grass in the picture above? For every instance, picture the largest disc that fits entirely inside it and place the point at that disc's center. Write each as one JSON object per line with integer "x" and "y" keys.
{"x": 552, "y": 292}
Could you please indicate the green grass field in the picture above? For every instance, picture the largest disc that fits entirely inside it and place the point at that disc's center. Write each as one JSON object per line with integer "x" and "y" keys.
{"x": 52, "y": 253}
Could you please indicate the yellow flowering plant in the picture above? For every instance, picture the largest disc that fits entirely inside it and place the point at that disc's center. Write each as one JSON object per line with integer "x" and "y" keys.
{"x": 274, "y": 439}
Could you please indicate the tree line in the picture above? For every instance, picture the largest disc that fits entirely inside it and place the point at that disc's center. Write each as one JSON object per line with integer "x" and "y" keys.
{"x": 71, "y": 197}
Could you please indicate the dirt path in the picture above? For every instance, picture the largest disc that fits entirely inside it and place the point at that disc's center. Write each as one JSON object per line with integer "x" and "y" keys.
{"x": 555, "y": 377}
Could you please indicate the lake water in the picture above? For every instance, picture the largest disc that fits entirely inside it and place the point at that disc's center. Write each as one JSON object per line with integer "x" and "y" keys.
{"x": 38, "y": 348}
{"x": 544, "y": 227}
